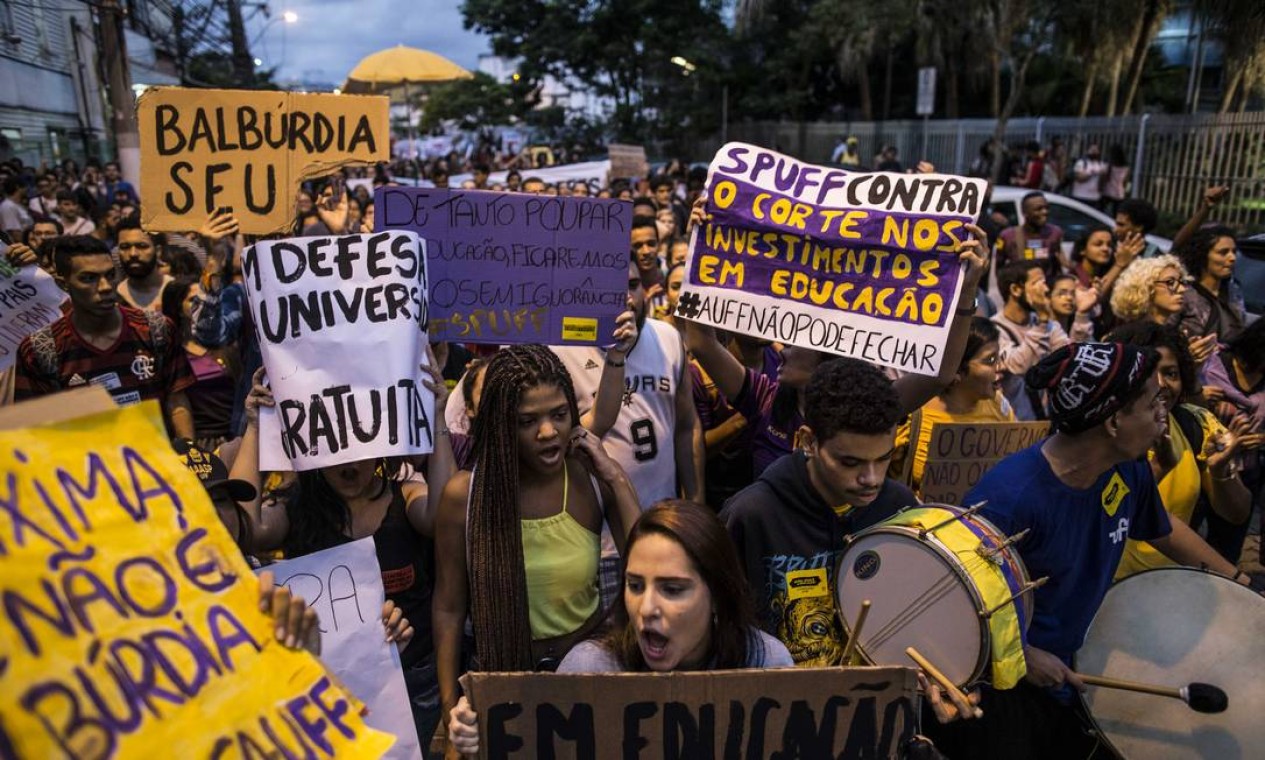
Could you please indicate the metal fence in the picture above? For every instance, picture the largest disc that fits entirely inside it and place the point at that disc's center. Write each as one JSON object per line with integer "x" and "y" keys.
{"x": 1173, "y": 157}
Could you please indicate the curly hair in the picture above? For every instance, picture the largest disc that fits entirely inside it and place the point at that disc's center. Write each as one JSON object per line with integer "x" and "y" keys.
{"x": 498, "y": 576}
{"x": 1131, "y": 297}
{"x": 850, "y": 396}
{"x": 1194, "y": 253}
{"x": 1147, "y": 333}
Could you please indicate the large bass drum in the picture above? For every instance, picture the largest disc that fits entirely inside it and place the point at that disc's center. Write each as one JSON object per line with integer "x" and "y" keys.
{"x": 934, "y": 575}
{"x": 1172, "y": 627}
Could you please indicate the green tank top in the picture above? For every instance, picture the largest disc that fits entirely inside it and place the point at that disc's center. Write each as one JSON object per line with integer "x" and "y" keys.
{"x": 560, "y": 556}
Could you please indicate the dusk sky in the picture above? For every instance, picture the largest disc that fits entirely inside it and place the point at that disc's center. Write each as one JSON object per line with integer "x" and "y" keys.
{"x": 331, "y": 36}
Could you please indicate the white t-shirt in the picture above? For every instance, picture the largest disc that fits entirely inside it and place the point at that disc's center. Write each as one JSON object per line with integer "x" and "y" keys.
{"x": 1089, "y": 189}
{"x": 81, "y": 226}
{"x": 643, "y": 437}
{"x": 13, "y": 216}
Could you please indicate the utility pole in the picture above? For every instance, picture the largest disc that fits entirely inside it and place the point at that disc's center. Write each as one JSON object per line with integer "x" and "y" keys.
{"x": 243, "y": 61}
{"x": 122, "y": 101}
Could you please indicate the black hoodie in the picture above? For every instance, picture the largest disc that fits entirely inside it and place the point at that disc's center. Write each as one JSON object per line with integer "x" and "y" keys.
{"x": 789, "y": 540}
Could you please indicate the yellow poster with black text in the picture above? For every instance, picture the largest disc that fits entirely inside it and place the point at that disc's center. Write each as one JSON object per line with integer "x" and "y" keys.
{"x": 129, "y": 621}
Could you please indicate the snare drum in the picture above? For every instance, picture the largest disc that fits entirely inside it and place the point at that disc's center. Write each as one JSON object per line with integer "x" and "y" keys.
{"x": 949, "y": 592}
{"x": 1174, "y": 626}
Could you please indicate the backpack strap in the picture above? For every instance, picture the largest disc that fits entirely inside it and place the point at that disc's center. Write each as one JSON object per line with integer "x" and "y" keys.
{"x": 1191, "y": 426}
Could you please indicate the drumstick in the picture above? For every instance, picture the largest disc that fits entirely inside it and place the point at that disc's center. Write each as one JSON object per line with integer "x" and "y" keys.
{"x": 940, "y": 678}
{"x": 855, "y": 635}
{"x": 1202, "y": 697}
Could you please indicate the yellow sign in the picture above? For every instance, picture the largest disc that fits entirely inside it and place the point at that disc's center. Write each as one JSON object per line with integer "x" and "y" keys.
{"x": 1113, "y": 494}
{"x": 130, "y": 622}
{"x": 202, "y": 150}
{"x": 805, "y": 583}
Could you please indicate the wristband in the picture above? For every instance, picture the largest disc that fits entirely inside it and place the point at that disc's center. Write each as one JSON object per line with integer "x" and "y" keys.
{"x": 968, "y": 311}
{"x": 612, "y": 363}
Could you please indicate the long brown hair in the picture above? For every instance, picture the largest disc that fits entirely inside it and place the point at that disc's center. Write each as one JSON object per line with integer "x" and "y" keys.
{"x": 701, "y": 535}
{"x": 498, "y": 578}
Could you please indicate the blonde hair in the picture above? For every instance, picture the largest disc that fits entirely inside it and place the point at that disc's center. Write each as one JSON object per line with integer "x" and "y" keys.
{"x": 1131, "y": 297}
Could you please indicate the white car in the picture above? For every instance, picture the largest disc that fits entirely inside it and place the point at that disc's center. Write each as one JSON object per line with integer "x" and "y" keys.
{"x": 1072, "y": 216}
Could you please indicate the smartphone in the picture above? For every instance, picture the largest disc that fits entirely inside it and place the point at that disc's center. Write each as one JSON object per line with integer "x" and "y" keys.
{"x": 336, "y": 192}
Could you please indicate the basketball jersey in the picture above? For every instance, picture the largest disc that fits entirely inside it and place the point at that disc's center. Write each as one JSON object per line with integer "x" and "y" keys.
{"x": 642, "y": 439}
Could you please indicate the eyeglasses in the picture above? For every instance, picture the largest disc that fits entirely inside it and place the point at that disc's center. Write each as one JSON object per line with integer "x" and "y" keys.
{"x": 1172, "y": 284}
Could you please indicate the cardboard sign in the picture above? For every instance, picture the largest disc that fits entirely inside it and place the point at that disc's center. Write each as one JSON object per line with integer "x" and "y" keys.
{"x": 130, "y": 623}
{"x": 856, "y": 264}
{"x": 341, "y": 323}
{"x": 29, "y": 300}
{"x": 247, "y": 150}
{"x": 628, "y": 161}
{"x": 513, "y": 268}
{"x": 344, "y": 586}
{"x": 959, "y": 454}
{"x": 793, "y": 712}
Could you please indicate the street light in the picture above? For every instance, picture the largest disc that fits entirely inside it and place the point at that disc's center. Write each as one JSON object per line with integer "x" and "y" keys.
{"x": 684, "y": 64}
{"x": 289, "y": 17}
{"x": 688, "y": 68}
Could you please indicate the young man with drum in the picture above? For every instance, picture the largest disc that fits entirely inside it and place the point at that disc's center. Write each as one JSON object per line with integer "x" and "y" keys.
{"x": 1080, "y": 494}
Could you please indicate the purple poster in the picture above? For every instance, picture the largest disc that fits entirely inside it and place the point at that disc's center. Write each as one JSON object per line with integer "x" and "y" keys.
{"x": 851, "y": 263}
{"x": 513, "y": 268}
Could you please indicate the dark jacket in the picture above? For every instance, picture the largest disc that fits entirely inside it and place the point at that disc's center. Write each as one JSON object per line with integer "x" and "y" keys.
{"x": 787, "y": 536}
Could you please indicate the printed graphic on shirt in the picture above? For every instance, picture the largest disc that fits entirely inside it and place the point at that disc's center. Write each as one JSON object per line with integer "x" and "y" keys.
{"x": 1114, "y": 494}
{"x": 1121, "y": 532}
{"x": 143, "y": 366}
{"x": 801, "y": 603}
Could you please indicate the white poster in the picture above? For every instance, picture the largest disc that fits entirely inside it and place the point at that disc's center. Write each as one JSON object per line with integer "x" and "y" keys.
{"x": 29, "y": 300}
{"x": 344, "y": 586}
{"x": 341, "y": 322}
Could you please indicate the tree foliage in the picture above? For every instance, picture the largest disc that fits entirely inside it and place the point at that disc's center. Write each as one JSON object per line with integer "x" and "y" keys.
{"x": 476, "y": 102}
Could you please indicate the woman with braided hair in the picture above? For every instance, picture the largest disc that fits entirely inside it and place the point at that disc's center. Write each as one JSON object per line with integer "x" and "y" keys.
{"x": 522, "y": 532}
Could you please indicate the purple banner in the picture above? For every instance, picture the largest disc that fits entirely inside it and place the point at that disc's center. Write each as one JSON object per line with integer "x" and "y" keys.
{"x": 883, "y": 264}
{"x": 513, "y": 268}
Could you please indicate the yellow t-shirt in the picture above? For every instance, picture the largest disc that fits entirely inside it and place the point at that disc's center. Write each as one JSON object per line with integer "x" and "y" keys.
{"x": 995, "y": 409}
{"x": 1179, "y": 492}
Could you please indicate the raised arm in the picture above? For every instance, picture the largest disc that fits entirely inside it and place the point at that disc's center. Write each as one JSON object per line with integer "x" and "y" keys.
{"x": 269, "y": 523}
{"x": 1212, "y": 196}
{"x": 440, "y": 463}
{"x": 916, "y": 390}
{"x": 618, "y": 495}
{"x": 452, "y": 592}
{"x": 610, "y": 389}
{"x": 691, "y": 454}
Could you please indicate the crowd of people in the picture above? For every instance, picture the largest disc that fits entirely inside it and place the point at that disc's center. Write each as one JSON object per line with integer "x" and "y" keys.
{"x": 662, "y": 503}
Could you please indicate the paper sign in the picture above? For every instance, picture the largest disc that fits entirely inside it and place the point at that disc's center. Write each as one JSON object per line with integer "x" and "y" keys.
{"x": 856, "y": 264}
{"x": 513, "y": 268}
{"x": 344, "y": 586}
{"x": 29, "y": 300}
{"x": 247, "y": 150}
{"x": 628, "y": 161}
{"x": 130, "y": 622}
{"x": 341, "y": 323}
{"x": 959, "y": 454}
{"x": 794, "y": 712}
{"x": 592, "y": 172}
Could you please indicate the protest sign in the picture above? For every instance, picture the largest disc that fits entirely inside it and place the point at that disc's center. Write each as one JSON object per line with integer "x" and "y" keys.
{"x": 247, "y": 151}
{"x": 794, "y": 712}
{"x": 592, "y": 172}
{"x": 29, "y": 300}
{"x": 344, "y": 586}
{"x": 341, "y": 323}
{"x": 129, "y": 620}
{"x": 512, "y": 268}
{"x": 856, "y": 264}
{"x": 959, "y": 454}
{"x": 628, "y": 161}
